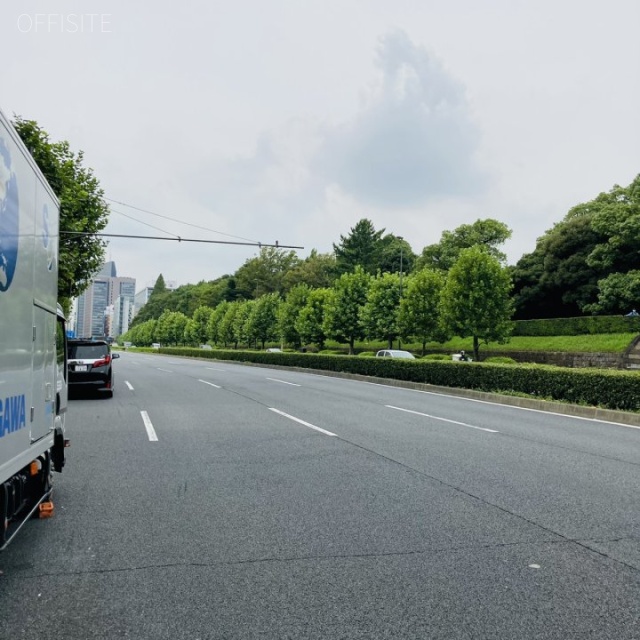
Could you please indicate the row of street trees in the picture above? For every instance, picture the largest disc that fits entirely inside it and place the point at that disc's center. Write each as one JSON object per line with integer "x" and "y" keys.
{"x": 472, "y": 299}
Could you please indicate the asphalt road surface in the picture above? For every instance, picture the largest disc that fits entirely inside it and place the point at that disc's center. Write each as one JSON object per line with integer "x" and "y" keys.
{"x": 214, "y": 500}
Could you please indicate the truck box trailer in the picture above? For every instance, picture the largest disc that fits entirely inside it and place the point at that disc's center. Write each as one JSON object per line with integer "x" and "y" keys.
{"x": 33, "y": 365}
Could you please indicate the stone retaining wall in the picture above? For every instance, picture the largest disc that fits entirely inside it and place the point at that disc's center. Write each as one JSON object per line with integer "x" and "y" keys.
{"x": 558, "y": 358}
{"x": 561, "y": 359}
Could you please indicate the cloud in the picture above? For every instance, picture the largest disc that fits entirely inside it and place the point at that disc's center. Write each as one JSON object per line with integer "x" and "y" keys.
{"x": 409, "y": 148}
{"x": 273, "y": 187}
{"x": 414, "y": 139}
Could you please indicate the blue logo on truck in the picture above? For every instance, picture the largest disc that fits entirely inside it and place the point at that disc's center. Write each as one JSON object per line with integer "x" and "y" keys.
{"x": 13, "y": 414}
{"x": 9, "y": 219}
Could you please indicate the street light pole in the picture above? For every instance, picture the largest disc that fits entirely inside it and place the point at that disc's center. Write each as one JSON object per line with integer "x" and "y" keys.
{"x": 401, "y": 249}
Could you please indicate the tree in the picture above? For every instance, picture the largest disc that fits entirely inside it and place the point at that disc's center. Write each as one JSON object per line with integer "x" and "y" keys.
{"x": 187, "y": 298}
{"x": 213, "y": 324}
{"x": 170, "y": 328}
{"x": 142, "y": 335}
{"x": 201, "y": 320}
{"x": 263, "y": 320}
{"x": 82, "y": 209}
{"x": 242, "y": 330}
{"x": 159, "y": 286}
{"x": 191, "y": 332}
{"x": 362, "y": 247}
{"x": 289, "y": 311}
{"x": 573, "y": 261}
{"x": 595, "y": 240}
{"x": 212, "y": 293}
{"x": 488, "y": 233}
{"x": 311, "y": 321}
{"x": 147, "y": 333}
{"x": 157, "y": 304}
{"x": 618, "y": 293}
{"x": 396, "y": 255}
{"x": 162, "y": 332}
{"x": 420, "y": 307}
{"x": 616, "y": 215}
{"x": 318, "y": 270}
{"x": 226, "y": 327}
{"x": 555, "y": 280}
{"x": 342, "y": 315}
{"x": 476, "y": 298}
{"x": 380, "y": 312}
{"x": 265, "y": 273}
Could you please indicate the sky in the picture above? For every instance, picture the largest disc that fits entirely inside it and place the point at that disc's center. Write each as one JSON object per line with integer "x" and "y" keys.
{"x": 289, "y": 121}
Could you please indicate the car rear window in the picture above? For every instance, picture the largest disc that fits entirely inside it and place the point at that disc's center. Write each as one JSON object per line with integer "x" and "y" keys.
{"x": 87, "y": 351}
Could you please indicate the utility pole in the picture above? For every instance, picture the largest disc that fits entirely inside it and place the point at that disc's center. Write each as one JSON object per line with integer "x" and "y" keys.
{"x": 401, "y": 249}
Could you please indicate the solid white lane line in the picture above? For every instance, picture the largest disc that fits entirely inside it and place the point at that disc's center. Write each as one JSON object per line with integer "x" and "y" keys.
{"x": 128, "y": 385}
{"x": 493, "y": 403}
{"x": 151, "y": 432}
{"x": 306, "y": 424}
{"x": 210, "y": 384}
{"x": 166, "y": 370}
{"x": 426, "y": 415}
{"x": 213, "y": 369}
{"x": 293, "y": 384}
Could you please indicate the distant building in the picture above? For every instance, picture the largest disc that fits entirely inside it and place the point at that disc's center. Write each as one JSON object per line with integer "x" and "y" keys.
{"x": 97, "y": 314}
{"x": 140, "y": 299}
{"x": 123, "y": 291}
{"x": 92, "y": 305}
{"x": 108, "y": 321}
{"x": 122, "y": 314}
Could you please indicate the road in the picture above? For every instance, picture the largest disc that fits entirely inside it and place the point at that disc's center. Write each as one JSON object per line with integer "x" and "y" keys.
{"x": 212, "y": 500}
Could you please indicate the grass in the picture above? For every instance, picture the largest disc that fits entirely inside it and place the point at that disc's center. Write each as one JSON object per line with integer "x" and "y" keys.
{"x": 599, "y": 343}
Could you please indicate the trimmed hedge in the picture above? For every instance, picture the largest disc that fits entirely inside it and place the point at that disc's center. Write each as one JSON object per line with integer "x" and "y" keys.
{"x": 500, "y": 360}
{"x": 594, "y": 387}
{"x": 585, "y": 325}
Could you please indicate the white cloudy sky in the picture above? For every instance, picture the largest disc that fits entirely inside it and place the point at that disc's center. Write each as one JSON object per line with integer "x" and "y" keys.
{"x": 291, "y": 120}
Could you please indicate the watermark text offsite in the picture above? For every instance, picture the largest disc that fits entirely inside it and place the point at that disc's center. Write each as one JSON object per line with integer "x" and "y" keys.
{"x": 64, "y": 23}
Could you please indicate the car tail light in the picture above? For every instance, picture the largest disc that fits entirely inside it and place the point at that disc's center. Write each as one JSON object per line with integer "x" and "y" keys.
{"x": 102, "y": 363}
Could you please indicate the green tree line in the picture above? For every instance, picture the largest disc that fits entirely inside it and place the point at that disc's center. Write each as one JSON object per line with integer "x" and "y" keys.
{"x": 472, "y": 299}
{"x": 588, "y": 263}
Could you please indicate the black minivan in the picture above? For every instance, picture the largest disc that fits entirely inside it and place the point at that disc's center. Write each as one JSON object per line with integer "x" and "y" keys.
{"x": 90, "y": 365}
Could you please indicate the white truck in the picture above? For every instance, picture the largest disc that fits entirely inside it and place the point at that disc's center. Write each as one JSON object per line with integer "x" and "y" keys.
{"x": 33, "y": 358}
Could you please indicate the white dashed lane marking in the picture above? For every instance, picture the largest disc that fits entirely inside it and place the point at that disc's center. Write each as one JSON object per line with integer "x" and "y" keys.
{"x": 210, "y": 384}
{"x": 293, "y": 384}
{"x": 151, "y": 432}
{"x": 306, "y": 424}
{"x": 426, "y": 415}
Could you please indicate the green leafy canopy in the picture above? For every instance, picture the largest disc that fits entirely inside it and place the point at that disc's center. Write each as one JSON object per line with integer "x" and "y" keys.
{"x": 82, "y": 208}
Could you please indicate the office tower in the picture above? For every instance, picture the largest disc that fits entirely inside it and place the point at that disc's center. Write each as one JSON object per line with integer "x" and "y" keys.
{"x": 98, "y": 315}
